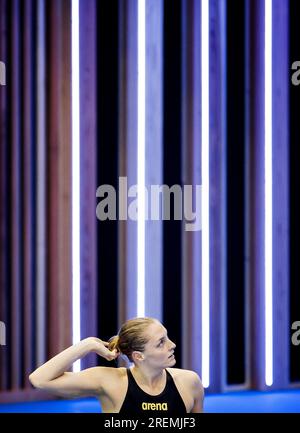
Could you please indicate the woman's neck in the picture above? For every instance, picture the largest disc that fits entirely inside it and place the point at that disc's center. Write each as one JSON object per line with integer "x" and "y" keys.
{"x": 150, "y": 378}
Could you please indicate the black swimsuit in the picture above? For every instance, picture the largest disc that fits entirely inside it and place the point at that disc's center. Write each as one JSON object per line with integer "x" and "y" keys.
{"x": 138, "y": 402}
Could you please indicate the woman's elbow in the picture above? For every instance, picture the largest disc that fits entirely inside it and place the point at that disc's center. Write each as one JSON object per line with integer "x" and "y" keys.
{"x": 36, "y": 382}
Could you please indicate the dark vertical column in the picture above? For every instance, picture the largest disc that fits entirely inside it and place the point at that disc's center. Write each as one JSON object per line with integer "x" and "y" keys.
{"x": 235, "y": 127}
{"x": 124, "y": 62}
{"x": 172, "y": 170}
{"x": 107, "y": 164}
{"x": 247, "y": 188}
{"x": 294, "y": 138}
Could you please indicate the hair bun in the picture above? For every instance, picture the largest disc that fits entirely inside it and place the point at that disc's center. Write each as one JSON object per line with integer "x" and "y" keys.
{"x": 113, "y": 343}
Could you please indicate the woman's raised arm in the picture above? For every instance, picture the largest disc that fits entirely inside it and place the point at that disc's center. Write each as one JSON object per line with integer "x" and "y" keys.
{"x": 54, "y": 377}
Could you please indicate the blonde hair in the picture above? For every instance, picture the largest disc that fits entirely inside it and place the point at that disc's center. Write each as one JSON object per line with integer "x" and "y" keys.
{"x": 131, "y": 336}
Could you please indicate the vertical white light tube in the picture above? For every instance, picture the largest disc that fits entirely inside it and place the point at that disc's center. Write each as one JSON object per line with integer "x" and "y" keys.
{"x": 141, "y": 158}
{"x": 75, "y": 178}
{"x": 205, "y": 188}
{"x": 268, "y": 198}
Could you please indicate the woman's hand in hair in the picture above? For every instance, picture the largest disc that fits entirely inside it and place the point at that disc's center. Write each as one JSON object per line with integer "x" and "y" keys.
{"x": 101, "y": 348}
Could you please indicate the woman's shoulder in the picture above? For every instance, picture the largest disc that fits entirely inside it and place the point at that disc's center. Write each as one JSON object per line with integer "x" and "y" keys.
{"x": 105, "y": 379}
{"x": 188, "y": 384}
{"x": 185, "y": 375}
{"x": 107, "y": 371}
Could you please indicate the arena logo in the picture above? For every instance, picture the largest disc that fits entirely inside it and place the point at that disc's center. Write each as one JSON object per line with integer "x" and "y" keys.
{"x": 154, "y": 406}
{"x": 2, "y": 74}
{"x": 157, "y": 203}
{"x": 296, "y": 335}
{"x": 296, "y": 75}
{"x": 2, "y": 334}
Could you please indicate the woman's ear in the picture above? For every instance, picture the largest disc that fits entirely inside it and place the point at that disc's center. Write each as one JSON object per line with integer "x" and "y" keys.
{"x": 137, "y": 356}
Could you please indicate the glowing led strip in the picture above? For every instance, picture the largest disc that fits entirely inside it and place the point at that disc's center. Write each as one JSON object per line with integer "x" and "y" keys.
{"x": 205, "y": 188}
{"x": 141, "y": 159}
{"x": 268, "y": 198}
{"x": 75, "y": 178}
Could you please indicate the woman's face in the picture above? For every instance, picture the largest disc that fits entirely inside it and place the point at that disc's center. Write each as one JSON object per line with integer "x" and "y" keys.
{"x": 159, "y": 349}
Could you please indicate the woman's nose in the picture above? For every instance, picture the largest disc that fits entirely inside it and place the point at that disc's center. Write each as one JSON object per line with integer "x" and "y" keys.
{"x": 172, "y": 345}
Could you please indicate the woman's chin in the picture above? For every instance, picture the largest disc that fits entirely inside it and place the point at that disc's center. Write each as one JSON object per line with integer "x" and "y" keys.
{"x": 172, "y": 360}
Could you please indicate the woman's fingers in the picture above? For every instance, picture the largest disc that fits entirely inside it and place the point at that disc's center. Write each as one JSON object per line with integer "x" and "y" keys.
{"x": 107, "y": 354}
{"x": 101, "y": 348}
{"x": 112, "y": 355}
